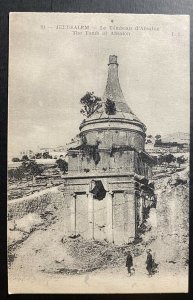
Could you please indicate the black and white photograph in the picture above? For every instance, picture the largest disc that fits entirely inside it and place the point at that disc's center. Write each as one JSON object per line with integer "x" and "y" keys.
{"x": 98, "y": 153}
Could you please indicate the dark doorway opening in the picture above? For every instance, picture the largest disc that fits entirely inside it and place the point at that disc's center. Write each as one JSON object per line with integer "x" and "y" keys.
{"x": 97, "y": 189}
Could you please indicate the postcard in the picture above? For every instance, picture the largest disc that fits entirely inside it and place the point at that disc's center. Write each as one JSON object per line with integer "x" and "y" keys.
{"x": 98, "y": 153}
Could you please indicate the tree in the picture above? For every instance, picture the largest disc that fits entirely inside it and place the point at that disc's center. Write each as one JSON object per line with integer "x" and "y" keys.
{"x": 148, "y": 141}
{"x": 25, "y": 157}
{"x": 110, "y": 107}
{"x": 38, "y": 155}
{"x": 31, "y": 168}
{"x": 180, "y": 160}
{"x": 160, "y": 159}
{"x": 46, "y": 155}
{"x": 16, "y": 174}
{"x": 90, "y": 103}
{"x": 168, "y": 158}
{"x": 62, "y": 165}
{"x": 15, "y": 159}
{"x": 11, "y": 174}
{"x": 155, "y": 158}
{"x": 28, "y": 167}
{"x": 158, "y": 137}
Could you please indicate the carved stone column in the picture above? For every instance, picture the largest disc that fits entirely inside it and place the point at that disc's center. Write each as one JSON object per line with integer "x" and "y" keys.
{"x": 131, "y": 216}
{"x": 90, "y": 215}
{"x": 109, "y": 227}
{"x": 141, "y": 203}
{"x": 73, "y": 214}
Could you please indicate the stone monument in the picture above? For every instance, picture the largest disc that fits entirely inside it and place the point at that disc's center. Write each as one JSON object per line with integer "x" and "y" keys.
{"x": 108, "y": 184}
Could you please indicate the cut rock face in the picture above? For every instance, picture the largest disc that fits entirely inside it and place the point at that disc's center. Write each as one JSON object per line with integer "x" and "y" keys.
{"x": 28, "y": 222}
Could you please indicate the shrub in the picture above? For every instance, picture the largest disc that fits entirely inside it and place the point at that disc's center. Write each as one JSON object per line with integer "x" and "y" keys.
{"x": 15, "y": 159}
{"x": 110, "y": 107}
{"x": 90, "y": 103}
{"x": 62, "y": 165}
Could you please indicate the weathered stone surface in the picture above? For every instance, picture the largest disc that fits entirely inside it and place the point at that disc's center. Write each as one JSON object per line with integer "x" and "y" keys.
{"x": 112, "y": 151}
{"x": 34, "y": 203}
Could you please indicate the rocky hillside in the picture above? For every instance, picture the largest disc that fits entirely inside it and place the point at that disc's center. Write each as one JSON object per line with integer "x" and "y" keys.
{"x": 42, "y": 237}
{"x": 179, "y": 137}
{"x": 173, "y": 217}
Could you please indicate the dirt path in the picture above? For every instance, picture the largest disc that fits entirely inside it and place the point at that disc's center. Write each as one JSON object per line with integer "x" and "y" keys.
{"x": 39, "y": 250}
{"x": 107, "y": 281}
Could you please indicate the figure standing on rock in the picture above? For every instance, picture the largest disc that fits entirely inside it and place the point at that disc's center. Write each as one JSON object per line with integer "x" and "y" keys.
{"x": 149, "y": 262}
{"x": 129, "y": 262}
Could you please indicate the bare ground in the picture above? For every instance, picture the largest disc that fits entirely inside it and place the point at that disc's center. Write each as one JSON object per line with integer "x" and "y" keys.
{"x": 45, "y": 260}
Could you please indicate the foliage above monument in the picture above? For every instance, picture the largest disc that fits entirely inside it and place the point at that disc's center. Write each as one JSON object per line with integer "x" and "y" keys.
{"x": 110, "y": 107}
{"x": 90, "y": 151}
{"x": 90, "y": 103}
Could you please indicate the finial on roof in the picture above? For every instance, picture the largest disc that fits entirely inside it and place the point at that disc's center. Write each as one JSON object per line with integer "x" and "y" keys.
{"x": 113, "y": 59}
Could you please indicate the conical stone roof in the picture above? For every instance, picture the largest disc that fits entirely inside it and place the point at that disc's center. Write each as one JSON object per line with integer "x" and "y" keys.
{"x": 113, "y": 92}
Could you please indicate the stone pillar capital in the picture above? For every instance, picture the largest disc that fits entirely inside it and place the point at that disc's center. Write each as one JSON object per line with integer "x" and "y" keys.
{"x": 111, "y": 192}
{"x": 73, "y": 195}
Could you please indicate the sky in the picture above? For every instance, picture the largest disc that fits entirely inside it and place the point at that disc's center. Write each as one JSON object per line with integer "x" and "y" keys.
{"x": 51, "y": 68}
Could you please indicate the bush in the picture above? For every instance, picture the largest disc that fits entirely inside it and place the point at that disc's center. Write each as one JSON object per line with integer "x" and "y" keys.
{"x": 31, "y": 168}
{"x": 110, "y": 107}
{"x": 62, "y": 165}
{"x": 15, "y": 159}
{"x": 169, "y": 158}
{"x": 166, "y": 158}
{"x": 46, "y": 155}
{"x": 38, "y": 155}
{"x": 90, "y": 103}
{"x": 24, "y": 157}
{"x": 27, "y": 168}
{"x": 180, "y": 160}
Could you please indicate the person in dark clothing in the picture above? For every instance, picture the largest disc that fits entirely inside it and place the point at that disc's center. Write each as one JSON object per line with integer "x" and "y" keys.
{"x": 149, "y": 262}
{"x": 129, "y": 262}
